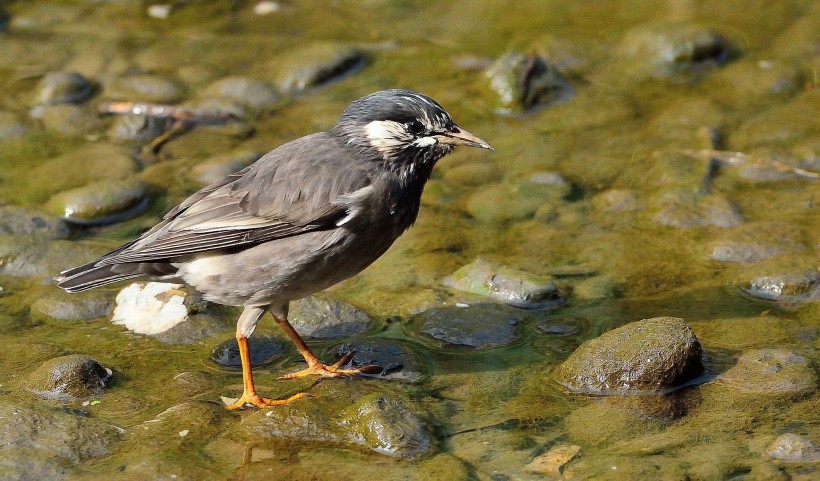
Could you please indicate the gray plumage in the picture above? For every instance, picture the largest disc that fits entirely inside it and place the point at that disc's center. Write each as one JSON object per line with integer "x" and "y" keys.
{"x": 305, "y": 216}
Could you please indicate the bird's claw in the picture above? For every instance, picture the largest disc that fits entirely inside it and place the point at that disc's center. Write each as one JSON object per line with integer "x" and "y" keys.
{"x": 333, "y": 370}
{"x": 262, "y": 402}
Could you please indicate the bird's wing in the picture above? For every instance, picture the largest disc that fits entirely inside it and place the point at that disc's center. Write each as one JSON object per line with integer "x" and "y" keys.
{"x": 306, "y": 185}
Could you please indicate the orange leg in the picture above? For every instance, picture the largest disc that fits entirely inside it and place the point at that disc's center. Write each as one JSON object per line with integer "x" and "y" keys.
{"x": 249, "y": 395}
{"x": 315, "y": 367}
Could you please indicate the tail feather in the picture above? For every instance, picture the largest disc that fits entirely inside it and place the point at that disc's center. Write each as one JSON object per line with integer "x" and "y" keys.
{"x": 91, "y": 275}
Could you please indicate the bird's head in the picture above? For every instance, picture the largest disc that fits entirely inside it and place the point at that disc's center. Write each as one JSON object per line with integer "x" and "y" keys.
{"x": 403, "y": 128}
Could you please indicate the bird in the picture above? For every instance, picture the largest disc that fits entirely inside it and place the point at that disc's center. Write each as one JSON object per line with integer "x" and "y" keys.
{"x": 305, "y": 216}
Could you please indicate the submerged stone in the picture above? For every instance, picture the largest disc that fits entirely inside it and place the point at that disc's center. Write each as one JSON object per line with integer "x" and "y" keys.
{"x": 68, "y": 378}
{"x": 647, "y": 356}
{"x": 524, "y": 81}
{"x": 73, "y": 307}
{"x": 664, "y": 49}
{"x": 263, "y": 348}
{"x": 753, "y": 242}
{"x": 144, "y": 88}
{"x": 68, "y": 120}
{"x": 771, "y": 372}
{"x": 100, "y": 203}
{"x": 11, "y": 127}
{"x": 396, "y": 362}
{"x": 478, "y": 326}
{"x": 253, "y": 93}
{"x": 221, "y": 166}
{"x": 63, "y": 87}
{"x": 793, "y": 447}
{"x": 506, "y": 285}
{"x": 322, "y": 318}
{"x": 689, "y": 209}
{"x": 789, "y": 287}
{"x": 76, "y": 168}
{"x": 617, "y": 200}
{"x": 198, "y": 327}
{"x": 21, "y": 221}
{"x": 142, "y": 128}
{"x": 318, "y": 64}
{"x": 386, "y": 426}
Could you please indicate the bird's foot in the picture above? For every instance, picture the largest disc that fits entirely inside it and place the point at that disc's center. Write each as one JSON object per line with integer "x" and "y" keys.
{"x": 333, "y": 370}
{"x": 262, "y": 402}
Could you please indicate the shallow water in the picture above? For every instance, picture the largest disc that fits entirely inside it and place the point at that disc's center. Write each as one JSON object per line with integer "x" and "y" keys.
{"x": 628, "y": 126}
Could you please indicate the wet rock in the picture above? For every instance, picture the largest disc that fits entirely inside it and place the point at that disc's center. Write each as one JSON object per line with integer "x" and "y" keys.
{"x": 551, "y": 462}
{"x": 753, "y": 242}
{"x": 396, "y": 362}
{"x": 197, "y": 419}
{"x": 318, "y": 64}
{"x": 376, "y": 421}
{"x": 195, "y": 329}
{"x": 771, "y": 372}
{"x": 144, "y": 88}
{"x": 478, "y": 326}
{"x": 253, "y": 93}
{"x": 141, "y": 128}
{"x": 387, "y": 426}
{"x": 651, "y": 355}
{"x": 68, "y": 378}
{"x": 45, "y": 445}
{"x": 27, "y": 222}
{"x": 264, "y": 349}
{"x": 66, "y": 119}
{"x": 154, "y": 307}
{"x": 690, "y": 209}
{"x": 503, "y": 284}
{"x": 11, "y": 127}
{"x": 72, "y": 307}
{"x": 665, "y": 49}
{"x": 793, "y": 447}
{"x": 789, "y": 287}
{"x": 63, "y": 88}
{"x": 82, "y": 166}
{"x": 617, "y": 200}
{"x": 524, "y": 81}
{"x": 562, "y": 326}
{"x": 37, "y": 257}
{"x": 322, "y": 318}
{"x": 755, "y": 79}
{"x": 220, "y": 166}
{"x": 100, "y": 203}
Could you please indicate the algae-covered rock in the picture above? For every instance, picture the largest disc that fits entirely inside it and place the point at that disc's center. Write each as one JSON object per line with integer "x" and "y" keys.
{"x": 756, "y": 241}
{"x": 72, "y": 307}
{"x": 144, "y": 88}
{"x": 220, "y": 166}
{"x": 503, "y": 284}
{"x": 253, "y": 93}
{"x": 101, "y": 202}
{"x": 651, "y": 355}
{"x": 523, "y": 81}
{"x": 323, "y": 318}
{"x": 63, "y": 87}
{"x": 386, "y": 426}
{"x": 69, "y": 120}
{"x": 68, "y": 378}
{"x": 793, "y": 447}
{"x": 28, "y": 222}
{"x": 691, "y": 209}
{"x": 11, "y": 127}
{"x": 771, "y": 372}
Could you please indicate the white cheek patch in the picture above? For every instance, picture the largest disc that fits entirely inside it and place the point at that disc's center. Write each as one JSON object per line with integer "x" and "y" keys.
{"x": 425, "y": 142}
{"x": 385, "y": 135}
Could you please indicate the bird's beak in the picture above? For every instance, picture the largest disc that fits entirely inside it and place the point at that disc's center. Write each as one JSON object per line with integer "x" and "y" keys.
{"x": 462, "y": 137}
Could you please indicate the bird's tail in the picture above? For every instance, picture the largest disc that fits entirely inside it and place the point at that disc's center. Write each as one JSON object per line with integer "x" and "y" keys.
{"x": 91, "y": 275}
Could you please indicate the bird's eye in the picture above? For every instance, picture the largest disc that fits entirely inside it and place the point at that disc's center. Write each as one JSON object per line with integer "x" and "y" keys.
{"x": 415, "y": 127}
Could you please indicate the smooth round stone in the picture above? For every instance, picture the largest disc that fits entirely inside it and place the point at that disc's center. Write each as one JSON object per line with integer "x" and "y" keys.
{"x": 322, "y": 318}
{"x": 76, "y": 168}
{"x": 11, "y": 127}
{"x": 221, "y": 166}
{"x": 387, "y": 426}
{"x": 253, "y": 93}
{"x": 317, "y": 65}
{"x": 264, "y": 349}
{"x": 144, "y": 88}
{"x": 73, "y": 307}
{"x": 63, "y": 87}
{"x": 195, "y": 329}
{"x": 793, "y": 447}
{"x": 664, "y": 49}
{"x": 647, "y": 356}
{"x": 101, "y": 202}
{"x": 771, "y": 372}
{"x": 68, "y": 378}
{"x": 684, "y": 209}
{"x": 524, "y": 81}
{"x": 21, "y": 221}
{"x": 498, "y": 203}
{"x": 506, "y": 285}
{"x": 478, "y": 326}
{"x": 561, "y": 327}
{"x": 69, "y": 120}
{"x": 396, "y": 362}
